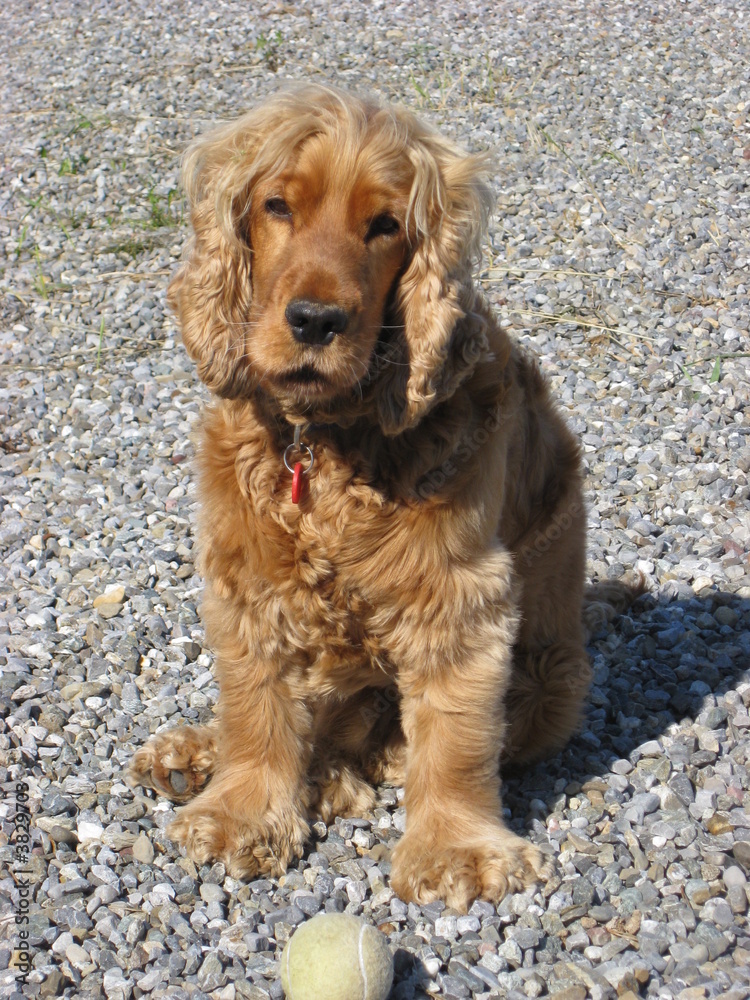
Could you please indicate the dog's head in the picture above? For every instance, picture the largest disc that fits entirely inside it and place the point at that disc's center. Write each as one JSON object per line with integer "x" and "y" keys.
{"x": 333, "y": 246}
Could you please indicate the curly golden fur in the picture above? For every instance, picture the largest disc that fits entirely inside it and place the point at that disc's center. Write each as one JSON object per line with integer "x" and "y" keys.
{"x": 416, "y": 616}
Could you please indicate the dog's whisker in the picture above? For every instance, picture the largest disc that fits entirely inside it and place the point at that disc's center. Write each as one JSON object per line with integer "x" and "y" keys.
{"x": 383, "y": 359}
{"x": 251, "y": 324}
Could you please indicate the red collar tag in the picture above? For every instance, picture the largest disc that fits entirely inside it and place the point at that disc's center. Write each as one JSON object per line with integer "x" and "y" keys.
{"x": 297, "y": 482}
{"x": 298, "y": 470}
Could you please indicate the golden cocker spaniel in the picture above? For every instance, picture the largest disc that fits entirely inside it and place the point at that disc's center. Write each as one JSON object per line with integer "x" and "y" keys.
{"x": 392, "y": 527}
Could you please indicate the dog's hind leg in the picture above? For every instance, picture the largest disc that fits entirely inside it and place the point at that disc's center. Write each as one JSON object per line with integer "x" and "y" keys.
{"x": 545, "y": 700}
{"x": 359, "y": 744}
{"x": 604, "y": 600}
{"x": 551, "y": 671}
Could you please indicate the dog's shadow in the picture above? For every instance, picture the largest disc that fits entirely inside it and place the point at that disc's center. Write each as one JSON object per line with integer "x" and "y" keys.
{"x": 666, "y": 662}
{"x": 656, "y": 666}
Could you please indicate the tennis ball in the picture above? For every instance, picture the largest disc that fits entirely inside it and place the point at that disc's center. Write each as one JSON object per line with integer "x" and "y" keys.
{"x": 336, "y": 956}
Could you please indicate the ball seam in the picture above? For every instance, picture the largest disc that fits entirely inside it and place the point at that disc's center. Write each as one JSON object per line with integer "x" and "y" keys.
{"x": 362, "y": 967}
{"x": 288, "y": 970}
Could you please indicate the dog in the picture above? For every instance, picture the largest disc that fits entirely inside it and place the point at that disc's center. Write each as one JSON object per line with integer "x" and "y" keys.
{"x": 392, "y": 531}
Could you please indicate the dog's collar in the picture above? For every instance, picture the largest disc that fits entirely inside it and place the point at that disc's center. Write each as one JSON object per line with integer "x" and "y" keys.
{"x": 297, "y": 450}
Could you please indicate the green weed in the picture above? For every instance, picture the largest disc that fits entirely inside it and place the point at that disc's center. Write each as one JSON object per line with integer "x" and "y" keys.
{"x": 70, "y": 166}
{"x": 99, "y": 347}
{"x": 632, "y": 167}
{"x": 131, "y": 246}
{"x": 41, "y": 284}
{"x": 162, "y": 214}
{"x": 268, "y": 47}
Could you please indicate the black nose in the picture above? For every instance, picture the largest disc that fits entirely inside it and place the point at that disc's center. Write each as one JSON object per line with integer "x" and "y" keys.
{"x": 315, "y": 322}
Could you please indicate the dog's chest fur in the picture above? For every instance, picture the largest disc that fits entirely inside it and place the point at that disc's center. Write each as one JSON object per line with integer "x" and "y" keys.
{"x": 303, "y": 568}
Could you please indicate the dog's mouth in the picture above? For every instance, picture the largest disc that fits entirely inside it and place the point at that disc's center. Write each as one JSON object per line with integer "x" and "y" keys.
{"x": 306, "y": 378}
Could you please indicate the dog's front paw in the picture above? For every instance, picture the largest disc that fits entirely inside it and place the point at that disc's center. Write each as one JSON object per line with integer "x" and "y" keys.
{"x": 248, "y": 845}
{"x": 176, "y": 763}
{"x": 425, "y": 869}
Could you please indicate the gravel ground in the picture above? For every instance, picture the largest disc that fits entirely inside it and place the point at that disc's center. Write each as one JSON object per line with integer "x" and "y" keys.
{"x": 619, "y": 251}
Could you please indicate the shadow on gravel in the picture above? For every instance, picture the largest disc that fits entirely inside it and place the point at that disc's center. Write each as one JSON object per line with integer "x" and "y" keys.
{"x": 661, "y": 668}
{"x": 410, "y": 976}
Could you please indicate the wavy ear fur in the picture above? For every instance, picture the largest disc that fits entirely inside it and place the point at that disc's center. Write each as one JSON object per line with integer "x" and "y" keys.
{"x": 443, "y": 337}
{"x": 211, "y": 292}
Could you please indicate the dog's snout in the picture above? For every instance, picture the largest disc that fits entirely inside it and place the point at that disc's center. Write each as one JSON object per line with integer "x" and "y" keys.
{"x": 315, "y": 323}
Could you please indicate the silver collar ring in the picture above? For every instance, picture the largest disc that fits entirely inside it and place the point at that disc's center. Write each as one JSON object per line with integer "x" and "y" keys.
{"x": 300, "y": 448}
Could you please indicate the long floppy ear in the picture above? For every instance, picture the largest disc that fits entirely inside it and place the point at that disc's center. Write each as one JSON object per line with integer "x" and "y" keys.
{"x": 211, "y": 292}
{"x": 443, "y": 337}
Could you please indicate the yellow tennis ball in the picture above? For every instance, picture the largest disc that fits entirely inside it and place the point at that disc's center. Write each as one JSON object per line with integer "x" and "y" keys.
{"x": 336, "y": 956}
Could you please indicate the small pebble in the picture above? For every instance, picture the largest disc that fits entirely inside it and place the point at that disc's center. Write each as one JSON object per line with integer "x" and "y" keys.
{"x": 143, "y": 849}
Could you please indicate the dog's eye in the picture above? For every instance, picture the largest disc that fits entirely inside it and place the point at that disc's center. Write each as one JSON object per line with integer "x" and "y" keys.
{"x": 278, "y": 207}
{"x": 382, "y": 225}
